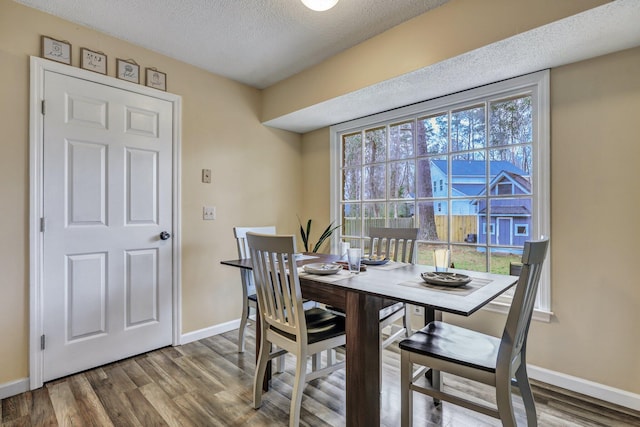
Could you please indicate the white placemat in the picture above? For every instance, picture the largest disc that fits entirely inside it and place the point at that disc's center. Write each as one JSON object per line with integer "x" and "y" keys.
{"x": 467, "y": 289}
{"x": 391, "y": 265}
{"x": 328, "y": 278}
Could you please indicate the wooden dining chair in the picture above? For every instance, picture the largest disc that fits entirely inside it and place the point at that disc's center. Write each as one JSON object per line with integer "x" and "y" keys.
{"x": 284, "y": 322}
{"x": 499, "y": 362}
{"x": 397, "y": 244}
{"x": 249, "y": 299}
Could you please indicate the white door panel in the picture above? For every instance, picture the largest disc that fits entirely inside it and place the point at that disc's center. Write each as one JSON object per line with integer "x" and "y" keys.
{"x": 107, "y": 282}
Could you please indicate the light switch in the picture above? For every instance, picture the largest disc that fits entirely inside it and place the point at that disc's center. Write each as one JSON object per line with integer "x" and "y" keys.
{"x": 209, "y": 213}
{"x": 206, "y": 176}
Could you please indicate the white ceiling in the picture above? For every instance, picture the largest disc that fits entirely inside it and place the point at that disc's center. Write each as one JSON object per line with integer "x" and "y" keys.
{"x": 260, "y": 42}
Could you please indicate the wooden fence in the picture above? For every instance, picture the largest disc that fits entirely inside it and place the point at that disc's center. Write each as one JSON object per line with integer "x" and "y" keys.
{"x": 461, "y": 226}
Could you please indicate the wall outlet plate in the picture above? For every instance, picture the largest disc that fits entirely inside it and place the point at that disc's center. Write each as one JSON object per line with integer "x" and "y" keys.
{"x": 206, "y": 176}
{"x": 209, "y": 213}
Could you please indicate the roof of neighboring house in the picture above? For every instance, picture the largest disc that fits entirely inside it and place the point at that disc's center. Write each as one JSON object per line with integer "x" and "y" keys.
{"x": 469, "y": 189}
{"x": 520, "y": 210}
{"x": 519, "y": 180}
{"x": 477, "y": 167}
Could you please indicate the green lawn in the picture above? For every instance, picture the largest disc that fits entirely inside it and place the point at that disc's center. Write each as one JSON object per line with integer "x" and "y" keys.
{"x": 468, "y": 258}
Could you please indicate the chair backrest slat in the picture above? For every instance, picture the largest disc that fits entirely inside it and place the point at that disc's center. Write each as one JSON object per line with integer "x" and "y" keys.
{"x": 519, "y": 318}
{"x": 397, "y": 244}
{"x": 241, "y": 237}
{"x": 277, "y": 282}
{"x": 240, "y": 234}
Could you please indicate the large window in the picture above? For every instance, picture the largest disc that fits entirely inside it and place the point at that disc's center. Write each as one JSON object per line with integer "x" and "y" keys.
{"x": 469, "y": 170}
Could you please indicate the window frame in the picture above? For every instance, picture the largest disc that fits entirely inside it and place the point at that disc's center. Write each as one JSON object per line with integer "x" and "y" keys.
{"x": 538, "y": 85}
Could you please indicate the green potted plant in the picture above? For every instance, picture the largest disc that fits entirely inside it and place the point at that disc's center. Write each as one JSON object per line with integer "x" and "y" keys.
{"x": 306, "y": 234}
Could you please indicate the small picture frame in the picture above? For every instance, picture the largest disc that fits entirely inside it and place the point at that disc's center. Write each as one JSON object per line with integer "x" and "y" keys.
{"x": 128, "y": 69}
{"x": 93, "y": 61}
{"x": 155, "y": 79}
{"x": 56, "y": 50}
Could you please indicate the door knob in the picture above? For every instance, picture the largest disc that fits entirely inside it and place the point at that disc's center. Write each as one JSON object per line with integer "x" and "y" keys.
{"x": 165, "y": 235}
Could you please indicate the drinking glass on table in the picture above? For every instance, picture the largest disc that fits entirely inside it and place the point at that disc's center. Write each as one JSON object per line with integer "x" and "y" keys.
{"x": 344, "y": 249}
{"x": 353, "y": 257}
{"x": 441, "y": 259}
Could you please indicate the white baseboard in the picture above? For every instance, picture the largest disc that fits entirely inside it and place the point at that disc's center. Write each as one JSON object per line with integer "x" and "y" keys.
{"x": 14, "y": 387}
{"x": 586, "y": 387}
{"x": 209, "y": 332}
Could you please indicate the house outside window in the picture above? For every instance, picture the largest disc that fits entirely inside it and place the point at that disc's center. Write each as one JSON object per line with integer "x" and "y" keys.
{"x": 487, "y": 149}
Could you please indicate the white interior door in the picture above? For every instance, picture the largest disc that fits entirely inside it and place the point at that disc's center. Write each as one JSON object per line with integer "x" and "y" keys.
{"x": 107, "y": 197}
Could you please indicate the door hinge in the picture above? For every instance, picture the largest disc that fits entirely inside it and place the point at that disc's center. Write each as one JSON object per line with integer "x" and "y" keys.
{"x": 43, "y": 108}
{"x": 42, "y": 342}
{"x": 43, "y": 224}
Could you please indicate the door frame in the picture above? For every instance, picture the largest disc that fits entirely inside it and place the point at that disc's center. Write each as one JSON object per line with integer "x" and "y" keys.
{"x": 510, "y": 220}
{"x": 38, "y": 67}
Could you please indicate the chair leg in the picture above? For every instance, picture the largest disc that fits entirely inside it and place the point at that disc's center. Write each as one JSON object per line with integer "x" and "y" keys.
{"x": 331, "y": 357}
{"x": 503, "y": 400}
{"x": 298, "y": 387}
{"x": 243, "y": 326}
{"x": 527, "y": 395}
{"x": 280, "y": 364}
{"x": 406, "y": 320}
{"x": 261, "y": 368}
{"x": 406, "y": 396}
{"x": 316, "y": 361}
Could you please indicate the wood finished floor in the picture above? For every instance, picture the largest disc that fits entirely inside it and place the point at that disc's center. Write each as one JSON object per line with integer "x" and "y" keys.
{"x": 207, "y": 383}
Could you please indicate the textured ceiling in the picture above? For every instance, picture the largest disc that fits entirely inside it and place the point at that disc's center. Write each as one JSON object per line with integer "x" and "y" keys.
{"x": 256, "y": 42}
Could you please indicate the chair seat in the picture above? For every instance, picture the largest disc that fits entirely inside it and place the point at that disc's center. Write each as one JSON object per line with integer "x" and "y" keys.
{"x": 455, "y": 344}
{"x": 321, "y": 325}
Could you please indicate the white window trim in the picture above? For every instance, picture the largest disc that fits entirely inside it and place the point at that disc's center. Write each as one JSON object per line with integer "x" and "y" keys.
{"x": 515, "y": 230}
{"x": 539, "y": 84}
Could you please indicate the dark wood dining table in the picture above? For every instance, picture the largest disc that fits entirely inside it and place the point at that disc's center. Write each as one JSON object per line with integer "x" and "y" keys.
{"x": 363, "y": 295}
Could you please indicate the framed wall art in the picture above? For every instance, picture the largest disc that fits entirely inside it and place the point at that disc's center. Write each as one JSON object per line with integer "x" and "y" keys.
{"x": 128, "y": 69}
{"x": 155, "y": 79}
{"x": 93, "y": 61}
{"x": 56, "y": 50}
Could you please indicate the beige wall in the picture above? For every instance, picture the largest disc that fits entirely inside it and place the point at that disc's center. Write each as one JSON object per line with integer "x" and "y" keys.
{"x": 221, "y": 131}
{"x": 315, "y": 166}
{"x": 595, "y": 200}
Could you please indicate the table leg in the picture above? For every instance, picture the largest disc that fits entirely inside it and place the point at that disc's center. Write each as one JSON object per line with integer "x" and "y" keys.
{"x": 363, "y": 359}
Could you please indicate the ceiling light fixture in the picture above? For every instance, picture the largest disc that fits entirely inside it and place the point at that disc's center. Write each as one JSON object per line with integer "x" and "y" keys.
{"x": 320, "y": 5}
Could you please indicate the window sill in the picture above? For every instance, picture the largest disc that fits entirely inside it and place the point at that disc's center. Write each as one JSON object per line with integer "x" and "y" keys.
{"x": 501, "y": 307}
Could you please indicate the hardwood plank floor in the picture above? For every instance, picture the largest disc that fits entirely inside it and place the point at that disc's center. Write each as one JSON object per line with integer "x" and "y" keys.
{"x": 208, "y": 383}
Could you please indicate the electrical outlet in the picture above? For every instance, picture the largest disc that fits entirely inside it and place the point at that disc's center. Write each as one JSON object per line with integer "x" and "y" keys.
{"x": 206, "y": 176}
{"x": 418, "y": 310}
{"x": 209, "y": 213}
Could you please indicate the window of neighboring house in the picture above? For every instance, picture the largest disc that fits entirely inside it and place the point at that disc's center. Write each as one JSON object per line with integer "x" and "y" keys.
{"x": 504, "y": 188}
{"x": 488, "y": 151}
{"x": 484, "y": 230}
{"x": 522, "y": 230}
